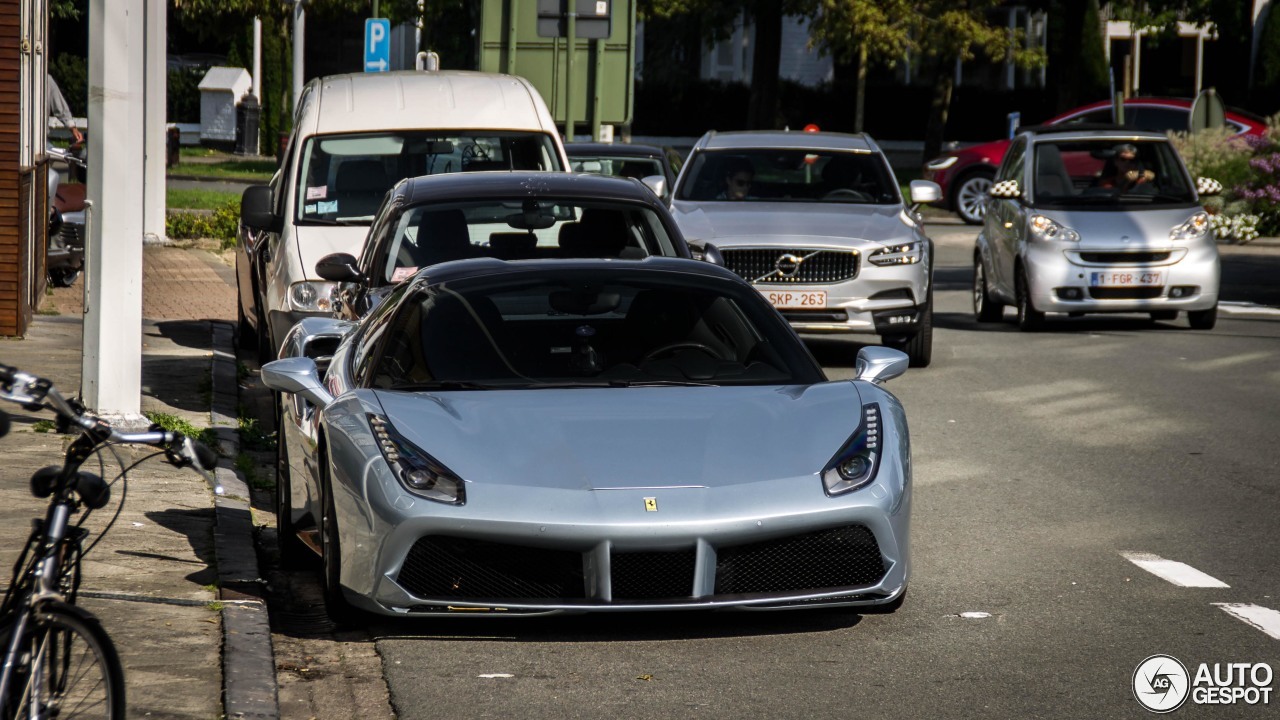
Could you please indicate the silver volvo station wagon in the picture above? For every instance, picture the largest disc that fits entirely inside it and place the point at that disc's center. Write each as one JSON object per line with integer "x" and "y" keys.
{"x": 1085, "y": 220}
{"x": 817, "y": 223}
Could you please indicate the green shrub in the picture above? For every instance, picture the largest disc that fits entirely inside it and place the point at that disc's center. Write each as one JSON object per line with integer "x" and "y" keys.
{"x": 221, "y": 224}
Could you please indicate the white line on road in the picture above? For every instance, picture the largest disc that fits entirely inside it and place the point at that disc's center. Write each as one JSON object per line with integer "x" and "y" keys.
{"x": 1241, "y": 308}
{"x": 1264, "y": 619}
{"x": 1179, "y": 574}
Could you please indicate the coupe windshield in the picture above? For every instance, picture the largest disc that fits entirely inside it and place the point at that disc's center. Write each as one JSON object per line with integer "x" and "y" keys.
{"x": 632, "y": 167}
{"x": 578, "y": 328}
{"x": 763, "y": 175}
{"x": 1106, "y": 173}
{"x": 522, "y": 229}
{"x": 343, "y": 178}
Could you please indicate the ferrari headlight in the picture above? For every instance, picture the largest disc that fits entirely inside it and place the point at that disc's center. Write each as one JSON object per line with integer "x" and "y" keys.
{"x": 856, "y": 464}
{"x": 1195, "y": 227}
{"x": 312, "y": 296}
{"x": 941, "y": 163}
{"x": 1044, "y": 228}
{"x": 905, "y": 254}
{"x": 420, "y": 473}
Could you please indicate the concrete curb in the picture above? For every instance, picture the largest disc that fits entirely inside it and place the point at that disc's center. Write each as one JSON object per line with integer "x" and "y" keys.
{"x": 248, "y": 661}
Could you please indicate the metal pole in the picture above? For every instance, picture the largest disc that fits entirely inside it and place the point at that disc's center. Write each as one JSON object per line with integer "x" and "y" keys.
{"x": 568, "y": 64}
{"x": 598, "y": 46}
{"x": 299, "y": 43}
{"x": 257, "y": 59}
{"x": 510, "y": 67}
{"x": 153, "y": 137}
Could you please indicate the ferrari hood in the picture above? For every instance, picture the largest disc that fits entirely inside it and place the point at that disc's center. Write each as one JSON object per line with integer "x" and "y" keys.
{"x": 594, "y": 438}
{"x": 762, "y": 223}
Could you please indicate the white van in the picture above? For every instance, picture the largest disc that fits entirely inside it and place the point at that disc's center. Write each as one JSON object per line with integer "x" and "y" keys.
{"x": 354, "y": 137}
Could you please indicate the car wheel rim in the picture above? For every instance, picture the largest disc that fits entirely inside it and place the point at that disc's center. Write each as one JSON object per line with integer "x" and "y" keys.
{"x": 972, "y": 193}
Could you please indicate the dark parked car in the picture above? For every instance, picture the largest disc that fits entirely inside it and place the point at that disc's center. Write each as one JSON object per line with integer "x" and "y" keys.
{"x": 965, "y": 174}
{"x": 505, "y": 215}
{"x": 624, "y": 159}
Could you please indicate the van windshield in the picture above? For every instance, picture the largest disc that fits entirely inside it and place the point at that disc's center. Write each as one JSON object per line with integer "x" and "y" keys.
{"x": 343, "y": 178}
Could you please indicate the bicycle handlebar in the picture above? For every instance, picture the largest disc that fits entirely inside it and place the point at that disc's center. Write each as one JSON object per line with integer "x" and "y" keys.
{"x": 36, "y": 393}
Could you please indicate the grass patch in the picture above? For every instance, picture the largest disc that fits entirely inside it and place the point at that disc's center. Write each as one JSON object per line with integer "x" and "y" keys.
{"x": 173, "y": 423}
{"x": 214, "y": 606}
{"x": 252, "y": 475}
{"x": 199, "y": 199}
{"x": 252, "y": 436}
{"x": 44, "y": 426}
{"x": 255, "y": 171}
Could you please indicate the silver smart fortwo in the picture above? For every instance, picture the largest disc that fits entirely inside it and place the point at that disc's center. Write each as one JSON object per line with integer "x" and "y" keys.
{"x": 1096, "y": 221}
{"x": 816, "y": 221}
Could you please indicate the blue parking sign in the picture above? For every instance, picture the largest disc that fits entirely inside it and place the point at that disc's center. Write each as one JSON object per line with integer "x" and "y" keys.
{"x": 377, "y": 45}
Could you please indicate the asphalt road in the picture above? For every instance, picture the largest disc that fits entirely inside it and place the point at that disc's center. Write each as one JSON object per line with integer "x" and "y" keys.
{"x": 1040, "y": 460}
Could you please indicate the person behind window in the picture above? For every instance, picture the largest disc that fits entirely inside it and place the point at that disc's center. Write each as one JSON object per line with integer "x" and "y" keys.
{"x": 738, "y": 174}
{"x": 59, "y": 109}
{"x": 1124, "y": 171}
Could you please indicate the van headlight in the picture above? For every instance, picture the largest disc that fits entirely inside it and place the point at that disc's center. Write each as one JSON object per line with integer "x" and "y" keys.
{"x": 904, "y": 254}
{"x": 1195, "y": 227}
{"x": 1045, "y": 228}
{"x": 312, "y": 296}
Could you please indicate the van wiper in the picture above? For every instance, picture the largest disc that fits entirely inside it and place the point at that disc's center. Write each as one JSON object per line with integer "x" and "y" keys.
{"x": 339, "y": 221}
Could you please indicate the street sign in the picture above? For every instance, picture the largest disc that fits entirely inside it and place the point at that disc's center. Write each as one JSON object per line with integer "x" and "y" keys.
{"x": 377, "y": 45}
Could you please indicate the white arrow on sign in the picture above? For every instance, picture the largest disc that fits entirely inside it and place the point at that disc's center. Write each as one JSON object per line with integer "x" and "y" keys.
{"x": 380, "y": 66}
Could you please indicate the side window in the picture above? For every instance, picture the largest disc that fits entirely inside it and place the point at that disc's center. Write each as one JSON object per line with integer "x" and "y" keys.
{"x": 366, "y": 346}
{"x": 1102, "y": 115}
{"x": 1158, "y": 119}
{"x": 1011, "y": 168}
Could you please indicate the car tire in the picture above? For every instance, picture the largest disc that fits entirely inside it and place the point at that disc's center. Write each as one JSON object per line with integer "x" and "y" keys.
{"x": 888, "y": 608}
{"x": 1029, "y": 319}
{"x": 1166, "y": 315}
{"x": 340, "y": 611}
{"x": 293, "y": 554}
{"x": 1203, "y": 319}
{"x": 971, "y": 194}
{"x": 919, "y": 345}
{"x": 985, "y": 307}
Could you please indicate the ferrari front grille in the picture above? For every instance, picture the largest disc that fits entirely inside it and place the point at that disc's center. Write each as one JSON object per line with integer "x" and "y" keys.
{"x": 447, "y": 567}
{"x": 792, "y": 265}
{"x": 652, "y": 575}
{"x": 839, "y": 557}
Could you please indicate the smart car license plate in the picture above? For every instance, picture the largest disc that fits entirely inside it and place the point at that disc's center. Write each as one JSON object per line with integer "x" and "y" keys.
{"x": 1125, "y": 278}
{"x": 784, "y": 300}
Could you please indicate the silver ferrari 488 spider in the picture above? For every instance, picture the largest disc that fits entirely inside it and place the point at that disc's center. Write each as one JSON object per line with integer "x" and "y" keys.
{"x": 588, "y": 435}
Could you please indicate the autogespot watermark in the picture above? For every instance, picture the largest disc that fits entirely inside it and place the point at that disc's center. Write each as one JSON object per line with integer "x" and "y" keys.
{"x": 1162, "y": 684}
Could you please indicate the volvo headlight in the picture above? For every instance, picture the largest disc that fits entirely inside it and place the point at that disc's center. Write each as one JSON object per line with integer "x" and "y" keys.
{"x": 942, "y": 163}
{"x": 312, "y": 296}
{"x": 1044, "y": 228}
{"x": 905, "y": 254}
{"x": 420, "y": 473}
{"x": 856, "y": 464}
{"x": 1195, "y": 227}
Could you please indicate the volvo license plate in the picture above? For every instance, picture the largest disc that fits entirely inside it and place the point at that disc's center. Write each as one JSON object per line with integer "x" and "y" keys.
{"x": 784, "y": 300}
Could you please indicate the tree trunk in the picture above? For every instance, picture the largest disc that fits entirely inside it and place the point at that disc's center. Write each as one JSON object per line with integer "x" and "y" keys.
{"x": 944, "y": 81}
{"x": 860, "y": 102}
{"x": 762, "y": 111}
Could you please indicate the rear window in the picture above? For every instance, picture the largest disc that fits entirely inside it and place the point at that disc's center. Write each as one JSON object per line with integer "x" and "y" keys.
{"x": 342, "y": 179}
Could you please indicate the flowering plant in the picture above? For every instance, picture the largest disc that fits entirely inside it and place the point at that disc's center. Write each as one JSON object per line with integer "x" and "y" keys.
{"x": 1248, "y": 166}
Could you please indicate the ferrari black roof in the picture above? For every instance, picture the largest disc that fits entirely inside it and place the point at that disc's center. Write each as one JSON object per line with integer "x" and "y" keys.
{"x": 614, "y": 149}
{"x": 510, "y": 184}
{"x": 489, "y": 267}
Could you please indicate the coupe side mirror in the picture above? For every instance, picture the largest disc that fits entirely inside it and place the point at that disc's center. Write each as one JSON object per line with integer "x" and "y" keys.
{"x": 296, "y": 376}
{"x": 924, "y": 192}
{"x": 656, "y": 183}
{"x": 256, "y": 209}
{"x": 339, "y": 267}
{"x": 1208, "y": 186}
{"x": 1005, "y": 190}
{"x": 876, "y": 364}
{"x": 707, "y": 253}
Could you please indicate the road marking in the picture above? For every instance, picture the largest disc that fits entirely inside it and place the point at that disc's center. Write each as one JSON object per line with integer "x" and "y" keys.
{"x": 1264, "y": 619}
{"x": 1241, "y": 308}
{"x": 1179, "y": 574}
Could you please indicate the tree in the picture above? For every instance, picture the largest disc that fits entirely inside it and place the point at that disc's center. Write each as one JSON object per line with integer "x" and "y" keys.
{"x": 1077, "y": 66}
{"x": 866, "y": 31}
{"x": 1230, "y": 20}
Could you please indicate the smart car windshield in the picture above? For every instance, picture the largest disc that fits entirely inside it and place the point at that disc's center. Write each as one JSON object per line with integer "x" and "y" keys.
{"x": 588, "y": 328}
{"x": 343, "y": 178}
{"x": 765, "y": 175}
{"x": 522, "y": 229}
{"x": 1107, "y": 173}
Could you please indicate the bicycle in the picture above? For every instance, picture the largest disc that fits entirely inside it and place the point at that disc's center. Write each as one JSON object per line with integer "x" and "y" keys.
{"x": 58, "y": 660}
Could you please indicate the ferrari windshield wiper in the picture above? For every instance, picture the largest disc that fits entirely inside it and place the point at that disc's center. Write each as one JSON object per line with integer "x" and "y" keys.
{"x": 616, "y": 384}
{"x": 442, "y": 385}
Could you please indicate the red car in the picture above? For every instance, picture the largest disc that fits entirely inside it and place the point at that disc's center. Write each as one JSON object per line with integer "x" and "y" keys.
{"x": 965, "y": 175}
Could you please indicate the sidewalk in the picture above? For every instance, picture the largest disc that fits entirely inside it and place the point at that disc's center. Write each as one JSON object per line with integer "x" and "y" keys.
{"x": 172, "y": 581}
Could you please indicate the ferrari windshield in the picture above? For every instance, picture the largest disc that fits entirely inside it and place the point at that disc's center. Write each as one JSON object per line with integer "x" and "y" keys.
{"x": 523, "y": 229}
{"x": 765, "y": 175}
{"x": 588, "y": 328}
{"x": 1106, "y": 173}
{"x": 342, "y": 179}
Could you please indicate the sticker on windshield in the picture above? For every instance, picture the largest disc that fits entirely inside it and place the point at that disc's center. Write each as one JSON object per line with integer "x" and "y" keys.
{"x": 318, "y": 193}
{"x": 402, "y": 273}
{"x": 327, "y": 207}
{"x": 309, "y": 209}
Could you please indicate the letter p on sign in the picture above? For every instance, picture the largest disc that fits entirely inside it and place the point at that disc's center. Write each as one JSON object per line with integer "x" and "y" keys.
{"x": 377, "y": 45}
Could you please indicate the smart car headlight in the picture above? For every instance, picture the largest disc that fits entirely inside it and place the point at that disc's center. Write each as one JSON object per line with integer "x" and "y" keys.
{"x": 312, "y": 296}
{"x": 420, "y": 473}
{"x": 1194, "y": 228}
{"x": 1044, "y": 228}
{"x": 856, "y": 464}
{"x": 904, "y": 254}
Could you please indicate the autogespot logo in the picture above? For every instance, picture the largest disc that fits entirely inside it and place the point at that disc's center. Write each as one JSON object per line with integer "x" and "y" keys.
{"x": 1160, "y": 683}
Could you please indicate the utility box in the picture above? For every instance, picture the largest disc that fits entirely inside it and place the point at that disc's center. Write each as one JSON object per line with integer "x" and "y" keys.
{"x": 220, "y": 91}
{"x": 528, "y": 39}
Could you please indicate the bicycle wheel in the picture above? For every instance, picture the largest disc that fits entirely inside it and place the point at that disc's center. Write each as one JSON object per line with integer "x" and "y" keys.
{"x": 69, "y": 669}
